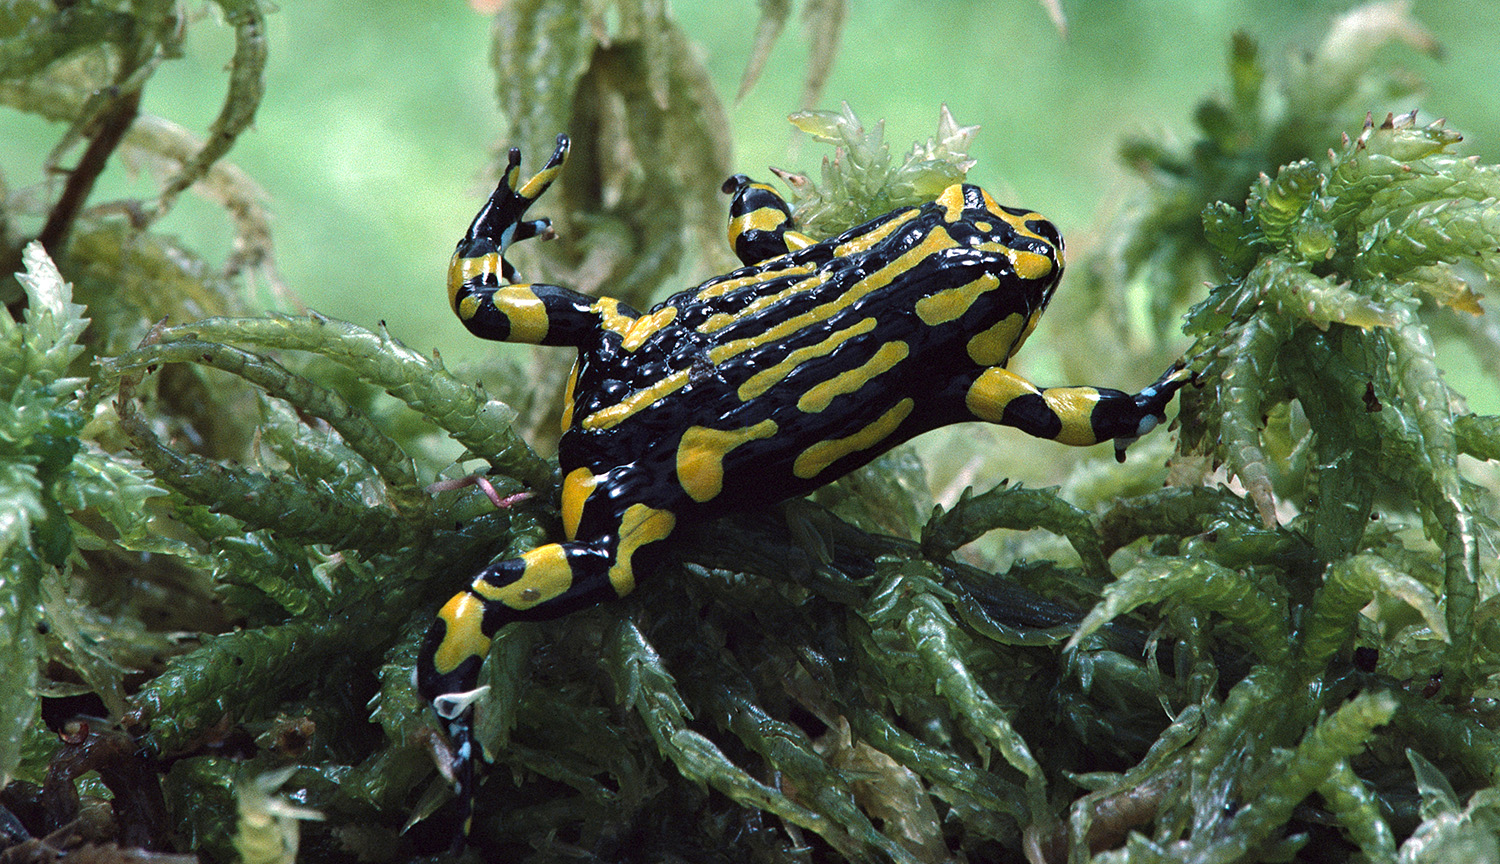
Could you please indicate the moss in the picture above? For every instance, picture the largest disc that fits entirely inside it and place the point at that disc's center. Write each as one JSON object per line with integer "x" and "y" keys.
{"x": 1196, "y": 672}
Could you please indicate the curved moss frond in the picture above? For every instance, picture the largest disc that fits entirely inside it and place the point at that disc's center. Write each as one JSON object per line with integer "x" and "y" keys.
{"x": 1259, "y": 617}
{"x": 1333, "y": 328}
{"x": 1159, "y": 249}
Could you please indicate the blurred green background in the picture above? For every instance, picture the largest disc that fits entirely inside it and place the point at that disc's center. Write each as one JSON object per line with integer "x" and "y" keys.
{"x": 380, "y": 118}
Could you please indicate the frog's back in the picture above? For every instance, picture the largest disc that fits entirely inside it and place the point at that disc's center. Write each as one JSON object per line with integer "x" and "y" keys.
{"x": 778, "y": 377}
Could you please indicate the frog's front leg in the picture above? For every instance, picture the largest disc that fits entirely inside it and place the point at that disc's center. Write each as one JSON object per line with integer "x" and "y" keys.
{"x": 760, "y": 221}
{"x": 1073, "y": 415}
{"x": 547, "y": 582}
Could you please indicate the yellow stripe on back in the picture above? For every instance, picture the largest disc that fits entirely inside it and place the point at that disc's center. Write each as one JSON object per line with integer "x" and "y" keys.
{"x": 718, "y": 289}
{"x": 617, "y": 413}
{"x": 812, "y": 461}
{"x": 870, "y": 238}
{"x": 765, "y": 379}
{"x": 610, "y": 316}
{"x": 935, "y": 241}
{"x": 719, "y": 320}
{"x": 646, "y": 325}
{"x": 819, "y": 396}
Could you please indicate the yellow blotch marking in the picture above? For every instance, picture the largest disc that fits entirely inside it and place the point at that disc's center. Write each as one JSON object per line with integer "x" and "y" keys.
{"x": 952, "y": 200}
{"x": 576, "y": 489}
{"x": 993, "y": 390}
{"x": 547, "y": 575}
{"x": 765, "y": 379}
{"x": 879, "y": 233}
{"x": 646, "y": 325}
{"x": 568, "y": 391}
{"x": 610, "y": 317}
{"x": 641, "y": 525}
{"x": 606, "y": 418}
{"x": 525, "y": 311}
{"x": 997, "y": 343}
{"x": 819, "y": 456}
{"x": 819, "y": 396}
{"x": 984, "y": 226}
{"x": 700, "y": 456}
{"x": 951, "y": 303}
{"x": 1074, "y": 406}
{"x": 719, "y": 320}
{"x": 461, "y": 270}
{"x": 462, "y": 636}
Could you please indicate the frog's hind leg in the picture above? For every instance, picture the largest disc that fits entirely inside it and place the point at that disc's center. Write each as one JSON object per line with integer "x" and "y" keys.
{"x": 760, "y": 221}
{"x": 482, "y": 285}
{"x": 547, "y": 582}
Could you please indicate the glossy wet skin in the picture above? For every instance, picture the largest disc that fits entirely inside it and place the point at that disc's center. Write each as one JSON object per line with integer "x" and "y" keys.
{"x": 755, "y": 386}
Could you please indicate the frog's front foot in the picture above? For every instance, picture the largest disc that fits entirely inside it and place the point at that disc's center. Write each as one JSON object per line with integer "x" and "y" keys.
{"x": 1151, "y": 404}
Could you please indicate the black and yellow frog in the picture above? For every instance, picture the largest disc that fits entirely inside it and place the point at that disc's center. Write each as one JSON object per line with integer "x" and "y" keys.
{"x": 756, "y": 386}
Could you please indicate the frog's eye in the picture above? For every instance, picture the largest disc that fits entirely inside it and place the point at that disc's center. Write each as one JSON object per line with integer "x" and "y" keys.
{"x": 1047, "y": 231}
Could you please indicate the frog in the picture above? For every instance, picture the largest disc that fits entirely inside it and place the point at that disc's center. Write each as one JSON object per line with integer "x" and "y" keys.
{"x": 757, "y": 386}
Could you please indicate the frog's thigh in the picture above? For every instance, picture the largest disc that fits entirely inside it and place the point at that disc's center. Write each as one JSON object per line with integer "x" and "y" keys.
{"x": 595, "y": 513}
{"x": 1063, "y": 414}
